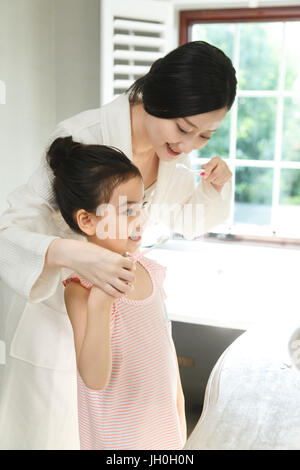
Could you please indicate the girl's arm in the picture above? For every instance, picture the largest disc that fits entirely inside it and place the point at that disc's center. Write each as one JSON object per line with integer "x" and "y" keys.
{"x": 89, "y": 313}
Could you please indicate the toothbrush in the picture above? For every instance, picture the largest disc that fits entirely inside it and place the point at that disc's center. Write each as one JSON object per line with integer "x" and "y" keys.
{"x": 159, "y": 242}
{"x": 181, "y": 165}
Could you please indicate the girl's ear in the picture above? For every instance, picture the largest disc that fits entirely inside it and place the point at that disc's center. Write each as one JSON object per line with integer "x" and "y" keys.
{"x": 86, "y": 222}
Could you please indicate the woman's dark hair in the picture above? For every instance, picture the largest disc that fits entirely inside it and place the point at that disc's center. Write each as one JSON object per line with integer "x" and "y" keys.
{"x": 193, "y": 79}
{"x": 86, "y": 175}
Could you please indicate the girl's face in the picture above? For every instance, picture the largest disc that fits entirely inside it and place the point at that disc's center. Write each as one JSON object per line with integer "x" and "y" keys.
{"x": 171, "y": 137}
{"x": 119, "y": 224}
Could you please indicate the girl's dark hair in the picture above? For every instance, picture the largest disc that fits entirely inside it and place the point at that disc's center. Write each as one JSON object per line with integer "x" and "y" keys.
{"x": 86, "y": 175}
{"x": 193, "y": 79}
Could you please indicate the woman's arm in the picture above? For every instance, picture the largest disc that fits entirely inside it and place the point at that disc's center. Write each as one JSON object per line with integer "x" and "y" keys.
{"x": 186, "y": 207}
{"x": 31, "y": 251}
{"x": 26, "y": 233}
{"x": 89, "y": 313}
{"x": 32, "y": 255}
{"x": 106, "y": 269}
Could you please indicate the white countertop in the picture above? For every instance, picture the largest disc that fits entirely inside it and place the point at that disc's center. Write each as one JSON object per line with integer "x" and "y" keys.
{"x": 229, "y": 284}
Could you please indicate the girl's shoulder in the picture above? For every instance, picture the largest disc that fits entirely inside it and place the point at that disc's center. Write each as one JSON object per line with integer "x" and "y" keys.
{"x": 75, "y": 277}
{"x": 157, "y": 270}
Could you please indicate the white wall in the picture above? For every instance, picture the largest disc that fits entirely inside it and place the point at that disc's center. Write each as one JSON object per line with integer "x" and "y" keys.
{"x": 49, "y": 60}
{"x": 77, "y": 30}
{"x": 27, "y": 67}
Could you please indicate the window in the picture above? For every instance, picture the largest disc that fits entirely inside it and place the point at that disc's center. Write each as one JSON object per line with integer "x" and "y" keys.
{"x": 260, "y": 135}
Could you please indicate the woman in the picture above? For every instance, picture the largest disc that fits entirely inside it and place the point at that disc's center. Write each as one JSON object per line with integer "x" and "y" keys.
{"x": 174, "y": 109}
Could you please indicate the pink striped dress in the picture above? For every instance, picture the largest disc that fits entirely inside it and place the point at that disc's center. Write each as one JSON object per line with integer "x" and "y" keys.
{"x": 137, "y": 409}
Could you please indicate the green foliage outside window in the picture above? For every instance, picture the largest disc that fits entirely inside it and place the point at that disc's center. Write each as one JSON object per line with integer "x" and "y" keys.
{"x": 260, "y": 52}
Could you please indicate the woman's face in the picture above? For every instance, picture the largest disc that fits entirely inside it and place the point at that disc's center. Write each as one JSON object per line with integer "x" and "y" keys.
{"x": 171, "y": 137}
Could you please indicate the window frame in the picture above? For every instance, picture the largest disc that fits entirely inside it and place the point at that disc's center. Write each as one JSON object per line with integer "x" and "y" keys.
{"x": 187, "y": 19}
{"x": 234, "y": 15}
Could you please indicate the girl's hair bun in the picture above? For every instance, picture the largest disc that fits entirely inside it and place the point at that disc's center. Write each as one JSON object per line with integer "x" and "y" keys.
{"x": 85, "y": 176}
{"x": 59, "y": 151}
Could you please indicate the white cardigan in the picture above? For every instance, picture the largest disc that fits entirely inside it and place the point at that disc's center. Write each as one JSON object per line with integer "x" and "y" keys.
{"x": 31, "y": 222}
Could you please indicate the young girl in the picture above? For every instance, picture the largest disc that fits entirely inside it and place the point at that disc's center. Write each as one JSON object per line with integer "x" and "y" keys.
{"x": 129, "y": 389}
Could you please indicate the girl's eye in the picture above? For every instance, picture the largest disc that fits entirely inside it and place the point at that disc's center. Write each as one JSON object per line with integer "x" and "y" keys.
{"x": 205, "y": 138}
{"x": 129, "y": 211}
{"x": 134, "y": 210}
{"x": 181, "y": 130}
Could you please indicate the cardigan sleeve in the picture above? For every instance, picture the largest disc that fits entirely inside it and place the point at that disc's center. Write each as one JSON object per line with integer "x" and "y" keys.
{"x": 25, "y": 237}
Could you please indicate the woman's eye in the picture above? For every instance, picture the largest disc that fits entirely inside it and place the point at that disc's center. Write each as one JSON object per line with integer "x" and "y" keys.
{"x": 205, "y": 138}
{"x": 181, "y": 130}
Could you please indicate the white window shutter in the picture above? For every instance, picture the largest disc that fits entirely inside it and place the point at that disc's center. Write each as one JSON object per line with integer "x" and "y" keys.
{"x": 134, "y": 33}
